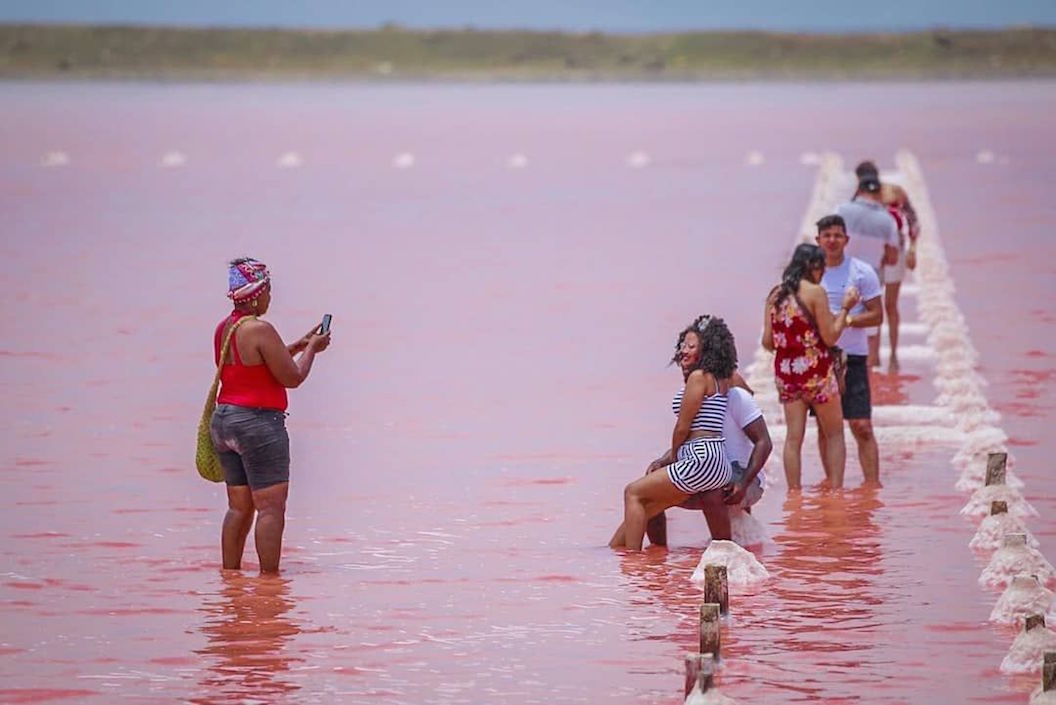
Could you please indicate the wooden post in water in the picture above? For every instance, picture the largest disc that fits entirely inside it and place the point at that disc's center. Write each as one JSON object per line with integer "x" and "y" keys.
{"x": 998, "y": 507}
{"x": 715, "y": 588}
{"x": 709, "y": 629}
{"x": 1032, "y": 621}
{"x": 700, "y": 669}
{"x": 995, "y": 468}
{"x": 1048, "y": 672}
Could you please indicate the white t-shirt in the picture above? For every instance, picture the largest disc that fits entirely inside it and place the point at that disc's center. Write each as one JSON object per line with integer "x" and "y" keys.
{"x": 852, "y": 272}
{"x": 869, "y": 227}
{"x": 741, "y": 410}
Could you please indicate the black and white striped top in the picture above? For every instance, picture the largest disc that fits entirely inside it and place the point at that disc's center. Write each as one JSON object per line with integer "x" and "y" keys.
{"x": 710, "y": 415}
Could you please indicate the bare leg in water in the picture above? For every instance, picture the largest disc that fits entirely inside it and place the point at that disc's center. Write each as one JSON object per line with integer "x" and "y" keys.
{"x": 643, "y": 499}
{"x": 237, "y": 521}
{"x": 831, "y": 443}
{"x": 891, "y": 316}
{"x": 271, "y": 520}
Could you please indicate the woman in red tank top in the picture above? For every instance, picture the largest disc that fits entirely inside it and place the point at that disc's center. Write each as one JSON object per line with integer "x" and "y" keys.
{"x": 799, "y": 328}
{"x": 249, "y": 425}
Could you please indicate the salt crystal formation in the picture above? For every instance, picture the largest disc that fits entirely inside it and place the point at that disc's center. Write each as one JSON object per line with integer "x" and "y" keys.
{"x": 746, "y": 529}
{"x": 1009, "y": 561}
{"x": 712, "y": 697}
{"x": 742, "y": 568}
{"x": 1024, "y": 596}
{"x": 1028, "y": 651}
{"x": 979, "y": 505}
{"x": 974, "y": 476}
{"x": 991, "y": 532}
{"x": 1041, "y": 698}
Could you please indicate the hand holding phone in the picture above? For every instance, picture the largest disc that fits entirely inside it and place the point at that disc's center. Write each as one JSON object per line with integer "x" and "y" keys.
{"x": 324, "y": 327}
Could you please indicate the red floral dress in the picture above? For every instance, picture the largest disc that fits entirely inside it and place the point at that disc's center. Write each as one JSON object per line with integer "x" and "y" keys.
{"x": 802, "y": 362}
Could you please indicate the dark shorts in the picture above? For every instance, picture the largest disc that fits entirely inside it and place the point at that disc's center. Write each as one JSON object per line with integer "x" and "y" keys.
{"x": 253, "y": 445}
{"x": 857, "y": 403}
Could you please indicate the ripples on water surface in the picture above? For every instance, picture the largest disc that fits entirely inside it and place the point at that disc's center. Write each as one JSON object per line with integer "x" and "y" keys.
{"x": 497, "y": 375}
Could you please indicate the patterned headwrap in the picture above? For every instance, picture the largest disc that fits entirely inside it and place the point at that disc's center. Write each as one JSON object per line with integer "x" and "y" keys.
{"x": 246, "y": 280}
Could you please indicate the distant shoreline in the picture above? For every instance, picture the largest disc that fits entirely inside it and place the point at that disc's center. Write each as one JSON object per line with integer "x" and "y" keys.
{"x": 394, "y": 54}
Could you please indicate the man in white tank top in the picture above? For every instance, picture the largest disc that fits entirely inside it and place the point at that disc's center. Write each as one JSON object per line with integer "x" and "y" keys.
{"x": 748, "y": 445}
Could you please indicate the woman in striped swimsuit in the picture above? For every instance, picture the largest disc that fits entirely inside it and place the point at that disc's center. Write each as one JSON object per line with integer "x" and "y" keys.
{"x": 697, "y": 460}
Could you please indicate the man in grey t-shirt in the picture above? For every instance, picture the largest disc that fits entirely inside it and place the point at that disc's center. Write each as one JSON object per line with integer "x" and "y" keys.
{"x": 874, "y": 238}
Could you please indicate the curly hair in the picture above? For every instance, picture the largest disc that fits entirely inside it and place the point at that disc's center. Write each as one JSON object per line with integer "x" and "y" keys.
{"x": 718, "y": 351}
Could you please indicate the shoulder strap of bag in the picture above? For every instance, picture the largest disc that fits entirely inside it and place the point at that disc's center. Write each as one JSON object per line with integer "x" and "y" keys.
{"x": 223, "y": 354}
{"x": 806, "y": 312}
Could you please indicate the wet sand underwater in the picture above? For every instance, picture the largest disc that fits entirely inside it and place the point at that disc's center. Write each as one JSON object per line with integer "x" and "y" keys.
{"x": 501, "y": 329}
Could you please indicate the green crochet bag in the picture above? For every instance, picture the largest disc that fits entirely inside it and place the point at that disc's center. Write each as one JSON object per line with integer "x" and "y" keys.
{"x": 206, "y": 457}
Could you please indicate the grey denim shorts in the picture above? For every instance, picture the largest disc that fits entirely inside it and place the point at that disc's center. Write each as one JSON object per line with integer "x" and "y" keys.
{"x": 253, "y": 445}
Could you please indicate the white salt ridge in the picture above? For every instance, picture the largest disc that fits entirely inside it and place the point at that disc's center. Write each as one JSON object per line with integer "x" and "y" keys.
{"x": 1010, "y": 561}
{"x": 172, "y": 160}
{"x": 974, "y": 476}
{"x": 991, "y": 533}
{"x": 979, "y": 504}
{"x": 1040, "y": 697}
{"x": 53, "y": 159}
{"x": 912, "y": 414}
{"x": 742, "y": 568}
{"x": 713, "y": 697}
{"x": 746, "y": 530}
{"x": 915, "y": 353}
{"x": 403, "y": 160}
{"x": 970, "y": 457}
{"x": 638, "y": 159}
{"x": 289, "y": 160}
{"x": 809, "y": 159}
{"x": 984, "y": 156}
{"x": 1027, "y": 652}
{"x": 754, "y": 158}
{"x": 517, "y": 161}
{"x": 1023, "y": 597}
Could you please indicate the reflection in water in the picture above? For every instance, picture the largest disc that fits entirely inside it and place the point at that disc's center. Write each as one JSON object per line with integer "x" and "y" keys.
{"x": 825, "y": 580}
{"x": 248, "y": 629}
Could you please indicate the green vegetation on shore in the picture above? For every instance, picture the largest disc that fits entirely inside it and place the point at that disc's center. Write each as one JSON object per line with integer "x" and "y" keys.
{"x": 393, "y": 53}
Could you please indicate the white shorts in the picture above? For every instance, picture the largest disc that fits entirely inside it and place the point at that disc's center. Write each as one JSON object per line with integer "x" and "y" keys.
{"x": 893, "y": 273}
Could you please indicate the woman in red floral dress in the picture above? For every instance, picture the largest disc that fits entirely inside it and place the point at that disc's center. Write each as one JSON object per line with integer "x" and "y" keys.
{"x": 799, "y": 328}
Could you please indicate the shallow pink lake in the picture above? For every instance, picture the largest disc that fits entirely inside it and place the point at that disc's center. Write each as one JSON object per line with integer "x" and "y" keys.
{"x": 497, "y": 375}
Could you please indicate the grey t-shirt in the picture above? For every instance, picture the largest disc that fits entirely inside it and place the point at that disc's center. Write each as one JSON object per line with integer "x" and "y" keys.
{"x": 869, "y": 227}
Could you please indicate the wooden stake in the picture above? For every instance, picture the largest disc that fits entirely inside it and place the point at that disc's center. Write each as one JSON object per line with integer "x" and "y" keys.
{"x": 1048, "y": 672}
{"x": 1032, "y": 621}
{"x": 709, "y": 629}
{"x": 715, "y": 588}
{"x": 997, "y": 507}
{"x": 699, "y": 671}
{"x": 995, "y": 468}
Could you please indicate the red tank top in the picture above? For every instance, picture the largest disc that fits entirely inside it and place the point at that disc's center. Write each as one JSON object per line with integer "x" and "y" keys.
{"x": 246, "y": 385}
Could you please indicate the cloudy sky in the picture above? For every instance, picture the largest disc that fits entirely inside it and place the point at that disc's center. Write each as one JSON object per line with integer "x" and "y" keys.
{"x": 577, "y": 15}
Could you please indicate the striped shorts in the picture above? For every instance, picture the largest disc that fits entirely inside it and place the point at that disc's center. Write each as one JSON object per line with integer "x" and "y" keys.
{"x": 702, "y": 465}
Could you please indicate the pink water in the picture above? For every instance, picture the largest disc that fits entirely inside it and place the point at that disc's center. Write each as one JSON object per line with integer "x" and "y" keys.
{"x": 497, "y": 375}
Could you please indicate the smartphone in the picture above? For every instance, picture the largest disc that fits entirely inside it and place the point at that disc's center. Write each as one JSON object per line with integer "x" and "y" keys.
{"x": 324, "y": 327}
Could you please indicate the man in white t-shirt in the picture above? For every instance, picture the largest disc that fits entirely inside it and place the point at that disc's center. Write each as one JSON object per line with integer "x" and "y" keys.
{"x": 748, "y": 445}
{"x": 872, "y": 237}
{"x": 843, "y": 271}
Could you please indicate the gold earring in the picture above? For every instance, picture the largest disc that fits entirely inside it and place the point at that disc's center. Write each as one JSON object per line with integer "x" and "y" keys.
{"x": 254, "y": 303}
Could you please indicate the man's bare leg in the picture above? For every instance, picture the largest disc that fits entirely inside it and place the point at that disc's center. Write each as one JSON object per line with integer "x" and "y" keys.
{"x": 874, "y": 350}
{"x": 868, "y": 451}
{"x": 891, "y": 292}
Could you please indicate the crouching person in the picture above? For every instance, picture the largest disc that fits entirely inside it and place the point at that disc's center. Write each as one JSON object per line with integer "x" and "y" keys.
{"x": 748, "y": 446}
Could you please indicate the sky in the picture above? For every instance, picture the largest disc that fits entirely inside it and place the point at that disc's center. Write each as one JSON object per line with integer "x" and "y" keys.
{"x": 572, "y": 15}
